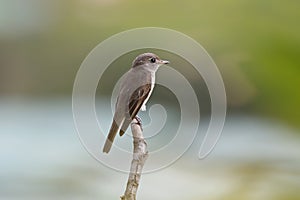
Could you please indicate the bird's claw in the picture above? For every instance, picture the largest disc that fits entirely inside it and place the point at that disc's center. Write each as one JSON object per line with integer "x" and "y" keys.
{"x": 139, "y": 121}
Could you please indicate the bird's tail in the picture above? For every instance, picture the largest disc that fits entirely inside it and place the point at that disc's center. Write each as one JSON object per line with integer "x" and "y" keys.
{"x": 111, "y": 136}
{"x": 124, "y": 126}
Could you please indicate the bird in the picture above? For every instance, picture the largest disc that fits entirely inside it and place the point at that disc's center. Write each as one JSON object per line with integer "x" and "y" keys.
{"x": 135, "y": 90}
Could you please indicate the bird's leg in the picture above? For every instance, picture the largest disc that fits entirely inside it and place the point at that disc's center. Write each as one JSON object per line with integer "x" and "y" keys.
{"x": 139, "y": 121}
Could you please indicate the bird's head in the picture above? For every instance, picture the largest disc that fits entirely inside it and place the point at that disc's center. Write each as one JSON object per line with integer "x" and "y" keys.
{"x": 149, "y": 60}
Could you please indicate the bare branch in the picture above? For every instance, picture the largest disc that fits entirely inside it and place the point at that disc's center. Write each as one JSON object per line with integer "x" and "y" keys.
{"x": 140, "y": 155}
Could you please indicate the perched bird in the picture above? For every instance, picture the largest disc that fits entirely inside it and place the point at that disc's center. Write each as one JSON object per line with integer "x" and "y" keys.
{"x": 135, "y": 90}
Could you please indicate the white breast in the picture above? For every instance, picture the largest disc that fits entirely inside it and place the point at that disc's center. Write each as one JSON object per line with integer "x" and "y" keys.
{"x": 143, "y": 108}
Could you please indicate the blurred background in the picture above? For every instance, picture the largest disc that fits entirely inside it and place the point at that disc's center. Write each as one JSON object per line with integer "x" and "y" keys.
{"x": 255, "y": 44}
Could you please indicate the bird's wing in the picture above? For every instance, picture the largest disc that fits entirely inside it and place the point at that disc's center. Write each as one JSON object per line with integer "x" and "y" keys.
{"x": 136, "y": 101}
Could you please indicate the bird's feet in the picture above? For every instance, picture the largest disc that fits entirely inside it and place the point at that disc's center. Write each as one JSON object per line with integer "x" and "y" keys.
{"x": 139, "y": 121}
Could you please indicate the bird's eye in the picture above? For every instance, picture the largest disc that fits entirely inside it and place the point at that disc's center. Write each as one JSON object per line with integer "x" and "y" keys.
{"x": 153, "y": 60}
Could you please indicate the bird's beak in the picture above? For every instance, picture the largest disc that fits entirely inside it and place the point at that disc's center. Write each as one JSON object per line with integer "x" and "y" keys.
{"x": 164, "y": 62}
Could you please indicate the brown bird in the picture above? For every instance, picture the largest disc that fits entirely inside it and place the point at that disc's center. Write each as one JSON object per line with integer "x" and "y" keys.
{"x": 136, "y": 88}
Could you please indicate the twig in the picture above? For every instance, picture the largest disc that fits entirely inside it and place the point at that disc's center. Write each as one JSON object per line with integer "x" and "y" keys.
{"x": 140, "y": 155}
